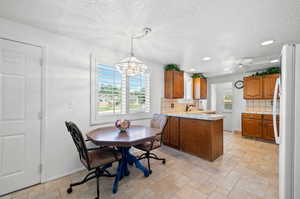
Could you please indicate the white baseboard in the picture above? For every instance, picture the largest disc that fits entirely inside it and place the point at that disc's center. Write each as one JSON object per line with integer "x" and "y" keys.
{"x": 63, "y": 175}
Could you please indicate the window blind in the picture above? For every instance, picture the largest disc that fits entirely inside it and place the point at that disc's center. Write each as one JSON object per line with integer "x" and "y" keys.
{"x": 138, "y": 98}
{"x": 109, "y": 90}
{"x": 118, "y": 94}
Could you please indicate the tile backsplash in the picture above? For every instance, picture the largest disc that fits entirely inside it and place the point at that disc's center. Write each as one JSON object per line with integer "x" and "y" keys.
{"x": 260, "y": 105}
{"x": 178, "y": 105}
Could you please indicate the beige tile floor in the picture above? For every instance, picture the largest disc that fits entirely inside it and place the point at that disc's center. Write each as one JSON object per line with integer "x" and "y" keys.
{"x": 247, "y": 170}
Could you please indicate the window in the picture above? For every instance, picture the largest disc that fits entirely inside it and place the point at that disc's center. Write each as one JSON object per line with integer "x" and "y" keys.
{"x": 228, "y": 102}
{"x": 109, "y": 90}
{"x": 115, "y": 95}
{"x": 138, "y": 99}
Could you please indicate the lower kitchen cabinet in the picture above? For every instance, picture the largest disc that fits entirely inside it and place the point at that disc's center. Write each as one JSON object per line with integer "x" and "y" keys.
{"x": 171, "y": 132}
{"x": 268, "y": 127}
{"x": 174, "y": 132}
{"x": 202, "y": 138}
{"x": 268, "y": 130}
{"x": 166, "y": 133}
{"x": 252, "y": 127}
{"x": 195, "y": 137}
{"x": 258, "y": 126}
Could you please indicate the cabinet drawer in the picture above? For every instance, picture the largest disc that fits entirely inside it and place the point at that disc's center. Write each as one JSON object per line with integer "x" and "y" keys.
{"x": 252, "y": 116}
{"x": 270, "y": 117}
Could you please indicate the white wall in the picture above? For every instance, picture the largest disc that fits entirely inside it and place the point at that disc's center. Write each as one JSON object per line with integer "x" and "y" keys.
{"x": 68, "y": 85}
{"x": 238, "y": 101}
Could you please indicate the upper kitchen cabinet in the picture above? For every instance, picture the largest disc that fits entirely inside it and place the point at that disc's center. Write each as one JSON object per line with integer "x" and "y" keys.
{"x": 253, "y": 87}
{"x": 199, "y": 88}
{"x": 260, "y": 87}
{"x": 174, "y": 84}
{"x": 268, "y": 85}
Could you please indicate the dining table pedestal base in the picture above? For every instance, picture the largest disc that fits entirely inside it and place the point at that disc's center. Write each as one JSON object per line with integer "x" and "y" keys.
{"x": 127, "y": 158}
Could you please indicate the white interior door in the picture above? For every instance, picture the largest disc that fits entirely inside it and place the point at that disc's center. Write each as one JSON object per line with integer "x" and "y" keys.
{"x": 223, "y": 97}
{"x": 20, "y": 106}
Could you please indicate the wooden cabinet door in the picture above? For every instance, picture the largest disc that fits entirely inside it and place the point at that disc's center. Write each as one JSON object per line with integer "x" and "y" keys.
{"x": 268, "y": 127}
{"x": 166, "y": 133}
{"x": 194, "y": 137}
{"x": 252, "y": 127}
{"x": 178, "y": 84}
{"x": 268, "y": 85}
{"x": 253, "y": 88}
{"x": 174, "y": 84}
{"x": 268, "y": 130}
{"x": 168, "y": 84}
{"x": 196, "y": 88}
{"x": 199, "y": 88}
{"x": 203, "y": 88}
{"x": 174, "y": 132}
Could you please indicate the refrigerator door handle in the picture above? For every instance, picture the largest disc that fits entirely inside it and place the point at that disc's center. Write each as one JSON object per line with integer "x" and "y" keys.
{"x": 276, "y": 90}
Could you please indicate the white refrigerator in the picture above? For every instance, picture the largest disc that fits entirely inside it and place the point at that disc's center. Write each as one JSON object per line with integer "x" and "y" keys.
{"x": 289, "y": 128}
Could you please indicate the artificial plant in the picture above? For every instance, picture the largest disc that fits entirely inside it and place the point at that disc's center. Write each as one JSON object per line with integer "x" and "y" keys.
{"x": 268, "y": 71}
{"x": 198, "y": 75}
{"x": 172, "y": 67}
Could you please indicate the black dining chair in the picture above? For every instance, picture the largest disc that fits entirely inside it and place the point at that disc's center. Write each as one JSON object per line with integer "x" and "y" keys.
{"x": 158, "y": 121}
{"x": 95, "y": 160}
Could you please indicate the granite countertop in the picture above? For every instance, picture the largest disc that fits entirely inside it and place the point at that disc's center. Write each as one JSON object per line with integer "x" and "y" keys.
{"x": 199, "y": 116}
{"x": 259, "y": 112}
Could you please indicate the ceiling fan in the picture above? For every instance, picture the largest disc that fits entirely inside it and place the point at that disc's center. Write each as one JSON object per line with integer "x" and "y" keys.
{"x": 254, "y": 64}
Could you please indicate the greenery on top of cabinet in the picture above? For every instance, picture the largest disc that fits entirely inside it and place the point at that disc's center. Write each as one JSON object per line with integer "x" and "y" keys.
{"x": 172, "y": 67}
{"x": 198, "y": 75}
{"x": 268, "y": 71}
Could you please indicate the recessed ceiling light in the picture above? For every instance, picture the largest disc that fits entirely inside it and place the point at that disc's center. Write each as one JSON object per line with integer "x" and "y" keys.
{"x": 206, "y": 58}
{"x": 274, "y": 61}
{"x": 240, "y": 65}
{"x": 268, "y": 42}
{"x": 192, "y": 69}
{"x": 227, "y": 69}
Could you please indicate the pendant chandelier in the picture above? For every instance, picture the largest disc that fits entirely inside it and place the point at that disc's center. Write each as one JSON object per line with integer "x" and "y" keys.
{"x": 132, "y": 65}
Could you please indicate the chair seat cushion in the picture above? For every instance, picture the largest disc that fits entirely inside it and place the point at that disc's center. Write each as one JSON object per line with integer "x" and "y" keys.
{"x": 147, "y": 146}
{"x": 100, "y": 157}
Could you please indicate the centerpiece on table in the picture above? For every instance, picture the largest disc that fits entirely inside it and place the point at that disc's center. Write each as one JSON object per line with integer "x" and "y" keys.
{"x": 122, "y": 125}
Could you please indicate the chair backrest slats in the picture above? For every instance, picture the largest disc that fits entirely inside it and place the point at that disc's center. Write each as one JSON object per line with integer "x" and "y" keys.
{"x": 158, "y": 121}
{"x": 79, "y": 143}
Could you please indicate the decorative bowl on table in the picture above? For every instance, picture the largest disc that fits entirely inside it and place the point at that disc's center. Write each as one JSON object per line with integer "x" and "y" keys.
{"x": 122, "y": 125}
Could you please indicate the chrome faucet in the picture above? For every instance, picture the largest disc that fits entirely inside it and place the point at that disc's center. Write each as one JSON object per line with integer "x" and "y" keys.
{"x": 188, "y": 107}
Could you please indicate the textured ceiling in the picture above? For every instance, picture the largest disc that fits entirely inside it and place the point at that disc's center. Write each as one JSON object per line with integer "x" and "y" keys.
{"x": 182, "y": 31}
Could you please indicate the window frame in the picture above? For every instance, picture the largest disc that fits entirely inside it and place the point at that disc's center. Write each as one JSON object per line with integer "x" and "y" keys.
{"x": 96, "y": 119}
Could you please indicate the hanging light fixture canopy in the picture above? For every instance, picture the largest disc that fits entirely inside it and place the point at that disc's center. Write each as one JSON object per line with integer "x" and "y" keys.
{"x": 132, "y": 65}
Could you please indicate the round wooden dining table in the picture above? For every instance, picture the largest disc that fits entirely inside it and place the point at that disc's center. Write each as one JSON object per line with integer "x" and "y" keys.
{"x": 111, "y": 136}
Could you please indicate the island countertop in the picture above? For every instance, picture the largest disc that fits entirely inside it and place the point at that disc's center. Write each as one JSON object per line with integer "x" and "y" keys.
{"x": 199, "y": 116}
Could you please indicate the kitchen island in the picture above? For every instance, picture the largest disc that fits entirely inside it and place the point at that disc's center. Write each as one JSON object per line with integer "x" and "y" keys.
{"x": 195, "y": 133}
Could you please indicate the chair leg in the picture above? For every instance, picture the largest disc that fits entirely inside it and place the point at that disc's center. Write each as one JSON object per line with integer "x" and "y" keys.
{"x": 98, "y": 191}
{"x": 148, "y": 155}
{"x": 154, "y": 156}
{"x": 148, "y": 159}
{"x": 98, "y": 173}
{"x": 143, "y": 156}
{"x": 85, "y": 179}
{"x": 108, "y": 174}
